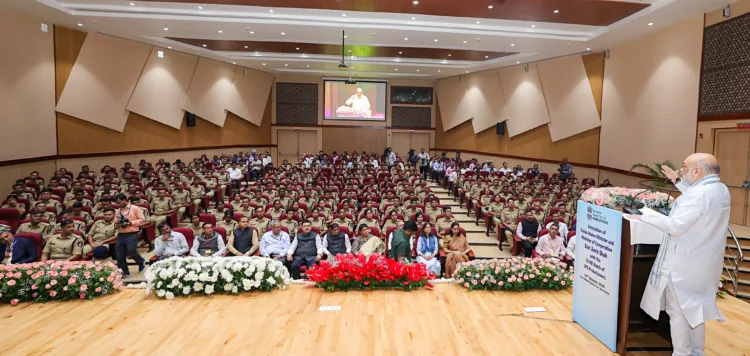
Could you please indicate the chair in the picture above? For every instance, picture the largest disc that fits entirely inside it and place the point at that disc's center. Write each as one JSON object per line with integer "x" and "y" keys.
{"x": 12, "y": 217}
{"x": 209, "y": 218}
{"x": 461, "y": 231}
{"x": 312, "y": 228}
{"x": 36, "y": 239}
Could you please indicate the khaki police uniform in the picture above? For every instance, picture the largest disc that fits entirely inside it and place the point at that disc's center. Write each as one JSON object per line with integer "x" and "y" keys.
{"x": 228, "y": 226}
{"x": 181, "y": 198}
{"x": 100, "y": 231}
{"x": 62, "y": 248}
{"x": 320, "y": 223}
{"x": 260, "y": 224}
{"x": 291, "y": 226}
{"x": 433, "y": 213}
{"x": 275, "y": 213}
{"x": 510, "y": 218}
{"x": 162, "y": 206}
{"x": 444, "y": 224}
{"x": 41, "y": 228}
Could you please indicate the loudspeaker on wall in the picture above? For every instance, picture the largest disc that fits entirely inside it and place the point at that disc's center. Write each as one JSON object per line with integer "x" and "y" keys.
{"x": 190, "y": 119}
{"x": 500, "y": 128}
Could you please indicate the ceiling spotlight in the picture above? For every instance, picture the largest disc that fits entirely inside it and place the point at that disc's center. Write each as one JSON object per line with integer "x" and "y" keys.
{"x": 204, "y": 45}
{"x": 588, "y": 49}
{"x": 245, "y": 46}
{"x": 80, "y": 25}
{"x": 132, "y": 4}
{"x": 415, "y": 2}
{"x": 298, "y": 48}
{"x": 405, "y": 38}
{"x": 466, "y": 41}
{"x": 512, "y": 44}
{"x": 234, "y": 62}
{"x": 283, "y": 33}
{"x": 449, "y": 54}
{"x": 170, "y": 47}
{"x": 417, "y": 70}
{"x": 400, "y": 52}
{"x": 490, "y": 7}
{"x": 252, "y": 32}
{"x": 166, "y": 29}
{"x": 264, "y": 64}
{"x": 200, "y": 7}
{"x": 343, "y": 15}
{"x": 286, "y": 65}
{"x": 518, "y": 62}
{"x": 486, "y": 57}
{"x": 271, "y": 11}
{"x": 308, "y": 66}
{"x": 413, "y": 18}
{"x": 533, "y": 25}
{"x": 373, "y": 33}
{"x": 436, "y": 40}
{"x": 438, "y": 70}
{"x": 556, "y": 11}
{"x": 467, "y": 72}
{"x": 220, "y": 31}
{"x": 650, "y": 23}
{"x": 568, "y": 45}
{"x": 397, "y": 69}
{"x": 478, "y": 22}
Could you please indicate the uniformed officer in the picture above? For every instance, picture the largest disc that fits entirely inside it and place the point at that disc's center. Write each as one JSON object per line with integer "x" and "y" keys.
{"x": 102, "y": 234}
{"x": 228, "y": 223}
{"x": 46, "y": 198}
{"x": 495, "y": 209}
{"x": 445, "y": 223}
{"x": 289, "y": 222}
{"x": 260, "y": 222}
{"x": 181, "y": 199}
{"x": 35, "y": 225}
{"x": 161, "y": 207}
{"x": 277, "y": 210}
{"x": 317, "y": 220}
{"x": 64, "y": 245}
{"x": 433, "y": 210}
{"x": 509, "y": 218}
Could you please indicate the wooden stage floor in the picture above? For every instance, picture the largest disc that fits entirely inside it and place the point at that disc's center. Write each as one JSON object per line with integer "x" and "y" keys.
{"x": 444, "y": 321}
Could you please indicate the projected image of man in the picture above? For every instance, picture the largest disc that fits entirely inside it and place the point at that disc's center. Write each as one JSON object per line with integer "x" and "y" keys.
{"x": 359, "y": 103}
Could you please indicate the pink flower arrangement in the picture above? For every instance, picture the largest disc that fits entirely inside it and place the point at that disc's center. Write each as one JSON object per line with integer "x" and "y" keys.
{"x": 514, "y": 274}
{"x": 611, "y": 197}
{"x": 61, "y": 280}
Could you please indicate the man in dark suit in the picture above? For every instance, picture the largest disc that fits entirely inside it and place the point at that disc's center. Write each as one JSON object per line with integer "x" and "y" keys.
{"x": 21, "y": 250}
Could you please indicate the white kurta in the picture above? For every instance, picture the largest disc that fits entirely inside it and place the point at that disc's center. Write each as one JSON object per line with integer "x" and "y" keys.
{"x": 692, "y": 253}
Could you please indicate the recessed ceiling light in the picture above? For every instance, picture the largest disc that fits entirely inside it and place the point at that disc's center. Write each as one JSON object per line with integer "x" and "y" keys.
{"x": 132, "y": 4}
{"x": 436, "y": 40}
{"x": 166, "y": 29}
{"x": 467, "y": 71}
{"x": 200, "y": 7}
{"x": 308, "y": 66}
{"x": 490, "y": 7}
{"x": 245, "y": 46}
{"x": 518, "y": 62}
{"x": 588, "y": 49}
{"x": 413, "y": 18}
{"x": 478, "y": 22}
{"x": 415, "y": 2}
{"x": 252, "y": 32}
{"x": 220, "y": 31}
{"x": 234, "y": 62}
{"x": 343, "y": 15}
{"x": 406, "y": 38}
{"x": 533, "y": 25}
{"x": 486, "y": 56}
{"x": 449, "y": 54}
{"x": 400, "y": 52}
{"x": 397, "y": 69}
{"x": 417, "y": 70}
{"x": 650, "y": 23}
{"x": 283, "y": 33}
{"x": 438, "y": 70}
{"x": 568, "y": 45}
{"x": 264, "y": 64}
{"x": 512, "y": 44}
{"x": 80, "y": 25}
{"x": 204, "y": 45}
{"x": 170, "y": 47}
{"x": 286, "y": 65}
{"x": 298, "y": 48}
{"x": 466, "y": 41}
{"x": 556, "y": 11}
{"x": 373, "y": 33}
{"x": 271, "y": 11}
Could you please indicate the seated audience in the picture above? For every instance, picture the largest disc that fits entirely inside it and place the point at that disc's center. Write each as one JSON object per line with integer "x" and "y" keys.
{"x": 196, "y": 226}
{"x": 169, "y": 243}
{"x": 275, "y": 243}
{"x": 366, "y": 243}
{"x": 208, "y": 243}
{"x": 551, "y": 245}
{"x": 336, "y": 242}
{"x": 15, "y": 250}
{"x": 228, "y": 224}
{"x": 306, "y": 249}
{"x": 456, "y": 250}
{"x": 63, "y": 245}
{"x": 427, "y": 249}
{"x": 35, "y": 225}
{"x": 528, "y": 230}
{"x": 290, "y": 223}
{"x": 102, "y": 236}
{"x": 570, "y": 250}
{"x": 11, "y": 202}
{"x": 562, "y": 226}
{"x": 401, "y": 245}
{"x": 244, "y": 240}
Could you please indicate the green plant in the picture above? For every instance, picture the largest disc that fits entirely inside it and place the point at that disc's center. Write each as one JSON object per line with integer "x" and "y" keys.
{"x": 655, "y": 172}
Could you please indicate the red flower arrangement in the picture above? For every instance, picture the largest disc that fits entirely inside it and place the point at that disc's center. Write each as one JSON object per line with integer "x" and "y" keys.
{"x": 358, "y": 272}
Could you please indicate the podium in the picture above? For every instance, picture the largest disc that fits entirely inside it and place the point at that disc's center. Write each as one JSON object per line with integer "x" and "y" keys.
{"x": 636, "y": 331}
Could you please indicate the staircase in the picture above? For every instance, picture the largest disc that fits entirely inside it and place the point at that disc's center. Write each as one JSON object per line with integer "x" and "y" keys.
{"x": 737, "y": 262}
{"x": 484, "y": 247}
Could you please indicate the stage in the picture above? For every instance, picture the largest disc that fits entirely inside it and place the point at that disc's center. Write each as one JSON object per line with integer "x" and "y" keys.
{"x": 447, "y": 320}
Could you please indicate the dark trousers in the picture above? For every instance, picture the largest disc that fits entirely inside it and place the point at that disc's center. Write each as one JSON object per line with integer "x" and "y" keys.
{"x": 423, "y": 170}
{"x": 298, "y": 262}
{"x": 528, "y": 247}
{"x": 126, "y": 246}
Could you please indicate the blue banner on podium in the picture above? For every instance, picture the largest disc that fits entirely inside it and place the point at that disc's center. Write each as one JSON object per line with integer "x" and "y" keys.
{"x": 597, "y": 271}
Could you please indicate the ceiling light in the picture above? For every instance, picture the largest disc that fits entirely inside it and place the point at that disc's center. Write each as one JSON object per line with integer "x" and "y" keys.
{"x": 343, "y": 15}
{"x": 588, "y": 49}
{"x": 397, "y": 69}
{"x": 533, "y": 25}
{"x": 245, "y": 46}
{"x": 405, "y": 38}
{"x": 283, "y": 33}
{"x": 166, "y": 29}
{"x": 286, "y": 65}
{"x": 400, "y": 52}
{"x": 132, "y": 4}
{"x": 220, "y": 31}
{"x": 466, "y": 41}
{"x": 170, "y": 47}
{"x": 518, "y": 62}
{"x": 80, "y": 25}
{"x": 160, "y": 54}
{"x": 417, "y": 70}
{"x": 413, "y": 18}
{"x": 234, "y": 62}
{"x": 512, "y": 44}
{"x": 467, "y": 72}
{"x": 252, "y": 32}
{"x": 478, "y": 22}
{"x": 373, "y": 33}
{"x": 308, "y": 66}
{"x": 650, "y": 23}
{"x": 444, "y": 61}
{"x": 436, "y": 40}
{"x": 568, "y": 45}
{"x": 271, "y": 11}
{"x": 204, "y": 45}
{"x": 415, "y": 2}
{"x": 200, "y": 7}
{"x": 438, "y": 70}
{"x": 298, "y": 48}
{"x": 264, "y": 64}
{"x": 490, "y": 7}
{"x": 556, "y": 11}
{"x": 449, "y": 54}
{"x": 346, "y": 36}
{"x": 486, "y": 57}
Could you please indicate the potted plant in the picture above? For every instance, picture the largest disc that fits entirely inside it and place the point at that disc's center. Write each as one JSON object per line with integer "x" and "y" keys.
{"x": 656, "y": 173}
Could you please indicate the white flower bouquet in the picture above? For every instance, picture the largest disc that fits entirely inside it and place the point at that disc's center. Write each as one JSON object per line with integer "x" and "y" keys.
{"x": 181, "y": 276}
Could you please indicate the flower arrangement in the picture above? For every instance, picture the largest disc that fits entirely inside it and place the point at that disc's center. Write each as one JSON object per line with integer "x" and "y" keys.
{"x": 357, "y": 272}
{"x": 181, "y": 276}
{"x": 612, "y": 197}
{"x": 57, "y": 280}
{"x": 516, "y": 273}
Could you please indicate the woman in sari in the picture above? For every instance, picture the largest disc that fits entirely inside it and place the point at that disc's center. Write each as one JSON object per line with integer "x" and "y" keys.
{"x": 367, "y": 244}
{"x": 456, "y": 249}
{"x": 427, "y": 250}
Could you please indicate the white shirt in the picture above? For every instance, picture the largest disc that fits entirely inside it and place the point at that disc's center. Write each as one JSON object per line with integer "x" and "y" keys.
{"x": 519, "y": 231}
{"x": 234, "y": 173}
{"x": 692, "y": 253}
{"x": 176, "y": 245}
{"x": 375, "y": 163}
{"x": 563, "y": 228}
{"x": 505, "y": 170}
{"x": 391, "y": 158}
{"x": 267, "y": 160}
{"x": 318, "y": 245}
{"x": 359, "y": 103}
{"x": 347, "y": 243}
{"x": 424, "y": 159}
{"x": 571, "y": 249}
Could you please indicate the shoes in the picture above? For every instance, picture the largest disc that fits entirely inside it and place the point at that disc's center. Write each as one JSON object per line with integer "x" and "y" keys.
{"x": 142, "y": 266}
{"x": 126, "y": 276}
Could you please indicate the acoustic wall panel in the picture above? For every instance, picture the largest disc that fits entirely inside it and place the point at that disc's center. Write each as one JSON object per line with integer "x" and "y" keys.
{"x": 486, "y": 100}
{"x": 250, "y": 94}
{"x": 103, "y": 79}
{"x": 454, "y": 104}
{"x": 163, "y": 87}
{"x": 27, "y": 90}
{"x": 570, "y": 101}
{"x": 524, "y": 98}
{"x": 210, "y": 90}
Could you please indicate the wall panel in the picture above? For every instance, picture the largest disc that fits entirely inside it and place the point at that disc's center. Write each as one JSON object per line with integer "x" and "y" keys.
{"x": 455, "y": 108}
{"x": 27, "y": 87}
{"x": 354, "y": 139}
{"x": 524, "y": 98}
{"x": 9, "y": 174}
{"x": 250, "y": 94}
{"x": 103, "y": 79}
{"x": 569, "y": 98}
{"x": 163, "y": 86}
{"x": 486, "y": 99}
{"x": 210, "y": 90}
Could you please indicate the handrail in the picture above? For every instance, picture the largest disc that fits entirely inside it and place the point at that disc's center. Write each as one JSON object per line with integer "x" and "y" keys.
{"x": 734, "y": 274}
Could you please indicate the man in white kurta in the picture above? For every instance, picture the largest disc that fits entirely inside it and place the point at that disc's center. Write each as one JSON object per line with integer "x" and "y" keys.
{"x": 359, "y": 102}
{"x": 686, "y": 272}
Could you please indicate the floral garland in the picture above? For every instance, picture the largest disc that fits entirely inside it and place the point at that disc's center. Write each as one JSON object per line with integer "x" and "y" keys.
{"x": 57, "y": 280}
{"x": 611, "y": 197}
{"x": 181, "y": 276}
{"x": 516, "y": 273}
{"x": 358, "y": 272}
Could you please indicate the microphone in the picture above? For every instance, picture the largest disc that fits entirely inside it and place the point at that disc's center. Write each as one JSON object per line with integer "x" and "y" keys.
{"x": 634, "y": 208}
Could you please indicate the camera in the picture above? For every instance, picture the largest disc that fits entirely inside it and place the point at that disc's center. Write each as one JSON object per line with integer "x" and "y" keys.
{"x": 124, "y": 222}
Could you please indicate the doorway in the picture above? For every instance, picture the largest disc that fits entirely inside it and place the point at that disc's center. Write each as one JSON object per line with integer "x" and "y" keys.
{"x": 732, "y": 150}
